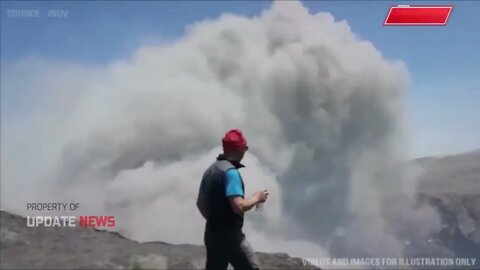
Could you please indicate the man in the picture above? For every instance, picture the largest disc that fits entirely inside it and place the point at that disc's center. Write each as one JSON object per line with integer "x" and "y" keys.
{"x": 222, "y": 203}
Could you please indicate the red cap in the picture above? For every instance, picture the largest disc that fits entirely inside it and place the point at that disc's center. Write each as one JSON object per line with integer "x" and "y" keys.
{"x": 234, "y": 140}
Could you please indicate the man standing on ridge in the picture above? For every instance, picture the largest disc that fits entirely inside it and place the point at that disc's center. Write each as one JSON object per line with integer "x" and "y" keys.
{"x": 221, "y": 201}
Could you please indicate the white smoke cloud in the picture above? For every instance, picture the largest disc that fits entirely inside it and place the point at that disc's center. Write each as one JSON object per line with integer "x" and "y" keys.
{"x": 322, "y": 111}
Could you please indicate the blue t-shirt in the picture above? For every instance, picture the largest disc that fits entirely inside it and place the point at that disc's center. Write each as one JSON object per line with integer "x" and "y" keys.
{"x": 233, "y": 183}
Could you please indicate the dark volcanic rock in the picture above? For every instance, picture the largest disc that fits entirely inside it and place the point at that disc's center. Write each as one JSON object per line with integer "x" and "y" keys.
{"x": 86, "y": 248}
{"x": 452, "y": 185}
{"x": 461, "y": 224}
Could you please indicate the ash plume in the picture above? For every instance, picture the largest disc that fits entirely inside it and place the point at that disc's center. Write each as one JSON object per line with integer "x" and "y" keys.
{"x": 321, "y": 108}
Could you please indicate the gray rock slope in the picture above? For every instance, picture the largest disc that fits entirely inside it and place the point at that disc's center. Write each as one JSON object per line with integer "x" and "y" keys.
{"x": 87, "y": 248}
{"x": 452, "y": 185}
{"x": 459, "y": 174}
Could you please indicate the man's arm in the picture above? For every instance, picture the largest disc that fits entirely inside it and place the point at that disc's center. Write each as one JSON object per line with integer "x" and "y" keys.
{"x": 234, "y": 192}
{"x": 240, "y": 205}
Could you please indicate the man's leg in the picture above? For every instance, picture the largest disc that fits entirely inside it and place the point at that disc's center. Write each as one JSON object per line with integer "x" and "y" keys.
{"x": 216, "y": 253}
{"x": 242, "y": 257}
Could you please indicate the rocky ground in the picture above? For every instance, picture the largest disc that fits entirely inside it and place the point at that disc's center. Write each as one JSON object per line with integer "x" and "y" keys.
{"x": 84, "y": 248}
{"x": 452, "y": 185}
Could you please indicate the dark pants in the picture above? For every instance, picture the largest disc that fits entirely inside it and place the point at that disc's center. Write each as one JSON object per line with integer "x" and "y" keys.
{"x": 224, "y": 248}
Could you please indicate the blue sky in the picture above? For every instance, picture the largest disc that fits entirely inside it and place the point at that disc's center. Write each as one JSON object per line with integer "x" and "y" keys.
{"x": 444, "y": 99}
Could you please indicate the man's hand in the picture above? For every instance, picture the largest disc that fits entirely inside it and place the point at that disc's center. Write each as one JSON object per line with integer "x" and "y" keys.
{"x": 240, "y": 205}
{"x": 261, "y": 195}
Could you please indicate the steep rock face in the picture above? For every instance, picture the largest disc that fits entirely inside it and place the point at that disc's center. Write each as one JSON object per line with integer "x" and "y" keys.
{"x": 460, "y": 234}
{"x": 84, "y": 248}
{"x": 452, "y": 185}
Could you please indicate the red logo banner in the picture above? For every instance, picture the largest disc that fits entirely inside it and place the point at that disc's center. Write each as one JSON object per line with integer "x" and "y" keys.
{"x": 418, "y": 15}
